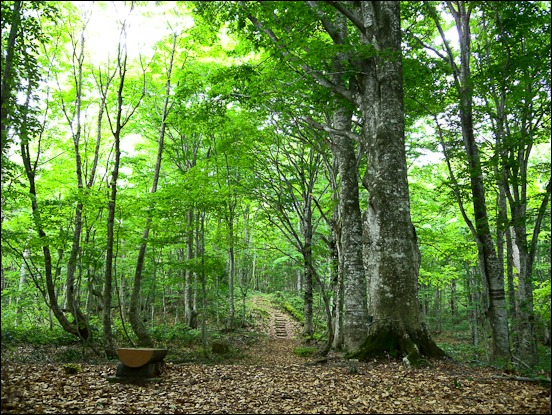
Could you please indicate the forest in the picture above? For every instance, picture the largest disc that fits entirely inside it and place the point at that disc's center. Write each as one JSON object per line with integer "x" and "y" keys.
{"x": 294, "y": 198}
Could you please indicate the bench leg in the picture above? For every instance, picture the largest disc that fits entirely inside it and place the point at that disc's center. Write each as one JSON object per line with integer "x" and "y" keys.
{"x": 149, "y": 370}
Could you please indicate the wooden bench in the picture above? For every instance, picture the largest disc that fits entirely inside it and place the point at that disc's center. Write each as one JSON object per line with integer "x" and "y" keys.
{"x": 140, "y": 362}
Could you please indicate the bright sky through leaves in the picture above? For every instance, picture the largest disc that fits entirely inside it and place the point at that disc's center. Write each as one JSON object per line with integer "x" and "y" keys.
{"x": 147, "y": 24}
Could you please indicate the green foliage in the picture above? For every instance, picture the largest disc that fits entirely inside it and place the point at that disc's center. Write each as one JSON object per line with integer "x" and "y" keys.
{"x": 465, "y": 352}
{"x": 304, "y": 351}
{"x": 70, "y": 355}
{"x": 541, "y": 296}
{"x": 180, "y": 333}
{"x": 544, "y": 364}
{"x": 290, "y": 303}
{"x": 234, "y": 143}
{"x": 36, "y": 335}
{"x": 72, "y": 368}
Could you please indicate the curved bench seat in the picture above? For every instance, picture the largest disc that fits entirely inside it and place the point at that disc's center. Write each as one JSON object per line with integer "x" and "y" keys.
{"x": 138, "y": 357}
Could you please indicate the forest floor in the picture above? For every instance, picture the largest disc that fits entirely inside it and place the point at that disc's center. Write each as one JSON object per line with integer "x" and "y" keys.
{"x": 267, "y": 378}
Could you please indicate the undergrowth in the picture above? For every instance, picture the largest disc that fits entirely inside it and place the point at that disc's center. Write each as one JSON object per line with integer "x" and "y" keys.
{"x": 26, "y": 344}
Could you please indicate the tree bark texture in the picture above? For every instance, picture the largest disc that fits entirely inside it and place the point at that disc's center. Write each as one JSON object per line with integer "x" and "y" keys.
{"x": 50, "y": 286}
{"x": 7, "y": 76}
{"x": 353, "y": 327}
{"x": 351, "y": 267}
{"x": 490, "y": 266}
{"x": 392, "y": 257}
{"x": 30, "y": 171}
{"x": 108, "y": 274}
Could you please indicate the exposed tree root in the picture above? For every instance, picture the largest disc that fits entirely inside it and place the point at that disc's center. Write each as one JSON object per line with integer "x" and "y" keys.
{"x": 414, "y": 347}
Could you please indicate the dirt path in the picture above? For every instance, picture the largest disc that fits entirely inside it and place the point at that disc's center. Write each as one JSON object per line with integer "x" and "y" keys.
{"x": 283, "y": 337}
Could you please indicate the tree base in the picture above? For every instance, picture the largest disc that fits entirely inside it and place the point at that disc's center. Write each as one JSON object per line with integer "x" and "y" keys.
{"x": 414, "y": 347}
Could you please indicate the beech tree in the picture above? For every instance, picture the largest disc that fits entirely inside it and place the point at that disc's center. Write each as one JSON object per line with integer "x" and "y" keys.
{"x": 135, "y": 318}
{"x": 373, "y": 60}
{"x": 30, "y": 134}
{"x": 287, "y": 188}
{"x": 483, "y": 71}
{"x": 118, "y": 116}
{"x": 278, "y": 146}
{"x": 522, "y": 110}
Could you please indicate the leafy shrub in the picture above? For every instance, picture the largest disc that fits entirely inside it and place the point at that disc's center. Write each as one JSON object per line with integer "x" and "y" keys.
{"x": 291, "y": 304}
{"x": 304, "y": 351}
{"x": 71, "y": 368}
{"x": 464, "y": 352}
{"x": 177, "y": 332}
{"x": 37, "y": 335}
{"x": 70, "y": 355}
{"x": 544, "y": 363}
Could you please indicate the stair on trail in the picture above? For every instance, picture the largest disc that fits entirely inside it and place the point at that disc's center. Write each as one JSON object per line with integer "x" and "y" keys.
{"x": 280, "y": 327}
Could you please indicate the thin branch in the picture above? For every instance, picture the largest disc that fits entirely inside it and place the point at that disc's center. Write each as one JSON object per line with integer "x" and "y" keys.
{"x": 328, "y": 129}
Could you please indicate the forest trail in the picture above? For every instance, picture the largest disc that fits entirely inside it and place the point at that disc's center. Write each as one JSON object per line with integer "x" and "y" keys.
{"x": 271, "y": 379}
{"x": 283, "y": 336}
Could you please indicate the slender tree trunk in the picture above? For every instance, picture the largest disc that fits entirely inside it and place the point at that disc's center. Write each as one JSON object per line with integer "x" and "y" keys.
{"x": 7, "y": 76}
{"x": 472, "y": 305}
{"x": 354, "y": 322}
{"x": 134, "y": 314}
{"x": 493, "y": 271}
{"x": 490, "y": 267}
{"x": 72, "y": 302}
{"x": 108, "y": 274}
{"x": 355, "y": 309}
{"x": 512, "y": 301}
{"x": 336, "y": 260}
{"x": 438, "y": 309}
{"x": 231, "y": 265}
{"x": 30, "y": 171}
{"x": 453, "y": 302}
{"x": 22, "y": 281}
{"x": 200, "y": 244}
{"x": 308, "y": 266}
{"x": 117, "y": 126}
{"x": 190, "y": 309}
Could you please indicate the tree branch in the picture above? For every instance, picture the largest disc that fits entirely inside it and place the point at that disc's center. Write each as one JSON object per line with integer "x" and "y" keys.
{"x": 328, "y": 129}
{"x": 347, "y": 13}
{"x": 317, "y": 75}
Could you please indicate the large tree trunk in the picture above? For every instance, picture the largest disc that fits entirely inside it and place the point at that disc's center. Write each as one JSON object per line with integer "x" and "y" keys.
{"x": 393, "y": 258}
{"x": 351, "y": 267}
{"x": 391, "y": 238}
